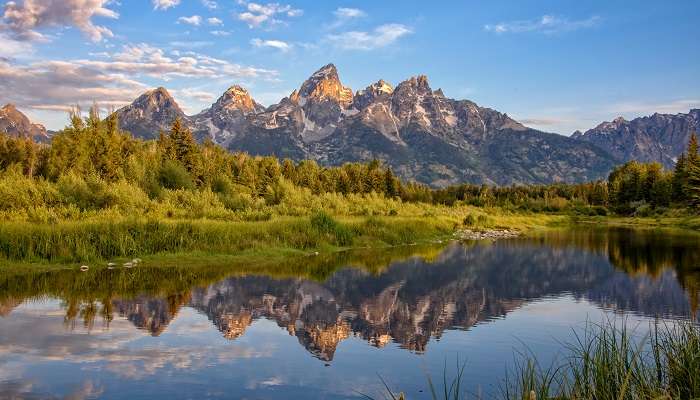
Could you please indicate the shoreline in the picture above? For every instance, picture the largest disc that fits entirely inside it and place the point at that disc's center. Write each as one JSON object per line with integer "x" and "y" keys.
{"x": 71, "y": 242}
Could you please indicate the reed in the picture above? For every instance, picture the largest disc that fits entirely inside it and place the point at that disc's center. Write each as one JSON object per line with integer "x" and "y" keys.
{"x": 91, "y": 240}
{"x": 609, "y": 361}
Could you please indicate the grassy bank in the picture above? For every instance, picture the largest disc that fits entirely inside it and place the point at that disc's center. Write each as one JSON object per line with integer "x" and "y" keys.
{"x": 101, "y": 239}
{"x": 92, "y": 241}
{"x": 670, "y": 220}
{"x": 327, "y": 226}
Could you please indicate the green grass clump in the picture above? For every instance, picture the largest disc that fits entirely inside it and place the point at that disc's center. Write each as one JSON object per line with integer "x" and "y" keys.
{"x": 336, "y": 232}
{"x": 612, "y": 362}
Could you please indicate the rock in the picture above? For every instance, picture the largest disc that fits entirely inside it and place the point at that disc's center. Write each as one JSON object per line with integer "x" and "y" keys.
{"x": 489, "y": 234}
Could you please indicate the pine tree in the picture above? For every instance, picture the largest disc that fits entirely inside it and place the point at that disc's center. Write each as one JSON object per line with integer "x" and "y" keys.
{"x": 391, "y": 184}
{"x": 692, "y": 184}
{"x": 680, "y": 178}
{"x": 184, "y": 148}
{"x": 30, "y": 157}
{"x": 693, "y": 155}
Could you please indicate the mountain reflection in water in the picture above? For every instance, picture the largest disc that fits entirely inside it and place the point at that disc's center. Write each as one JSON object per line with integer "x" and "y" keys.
{"x": 323, "y": 327}
{"x": 409, "y": 302}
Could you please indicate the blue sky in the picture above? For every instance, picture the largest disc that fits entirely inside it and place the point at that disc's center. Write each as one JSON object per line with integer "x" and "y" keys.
{"x": 554, "y": 65}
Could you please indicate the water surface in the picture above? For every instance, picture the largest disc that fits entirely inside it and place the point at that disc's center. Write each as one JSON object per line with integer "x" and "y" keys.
{"x": 326, "y": 328}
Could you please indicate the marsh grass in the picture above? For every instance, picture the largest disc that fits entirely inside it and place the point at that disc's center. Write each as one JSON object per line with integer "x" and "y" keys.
{"x": 90, "y": 241}
{"x": 451, "y": 388}
{"x": 608, "y": 361}
{"x": 611, "y": 362}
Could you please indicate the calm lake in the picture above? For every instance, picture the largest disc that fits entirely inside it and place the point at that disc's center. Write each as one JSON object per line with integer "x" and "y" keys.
{"x": 328, "y": 327}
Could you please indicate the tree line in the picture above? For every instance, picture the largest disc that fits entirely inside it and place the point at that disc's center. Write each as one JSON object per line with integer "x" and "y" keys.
{"x": 92, "y": 146}
{"x": 631, "y": 188}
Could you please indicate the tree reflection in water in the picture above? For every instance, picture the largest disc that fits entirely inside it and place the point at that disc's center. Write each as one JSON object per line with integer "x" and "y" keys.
{"x": 404, "y": 295}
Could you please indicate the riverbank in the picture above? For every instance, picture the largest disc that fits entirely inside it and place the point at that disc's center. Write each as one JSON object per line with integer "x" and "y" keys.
{"x": 281, "y": 237}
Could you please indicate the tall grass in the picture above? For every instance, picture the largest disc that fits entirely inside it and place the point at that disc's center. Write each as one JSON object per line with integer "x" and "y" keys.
{"x": 89, "y": 241}
{"x": 607, "y": 362}
{"x": 451, "y": 388}
{"x": 611, "y": 362}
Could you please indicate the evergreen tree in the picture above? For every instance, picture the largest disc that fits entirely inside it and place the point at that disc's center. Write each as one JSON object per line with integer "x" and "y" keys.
{"x": 693, "y": 155}
{"x": 680, "y": 177}
{"x": 30, "y": 157}
{"x": 391, "y": 184}
{"x": 693, "y": 186}
{"x": 183, "y": 147}
{"x": 692, "y": 183}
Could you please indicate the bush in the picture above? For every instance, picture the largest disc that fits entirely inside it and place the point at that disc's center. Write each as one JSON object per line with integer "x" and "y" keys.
{"x": 173, "y": 175}
{"x": 644, "y": 210}
{"x": 91, "y": 193}
{"x": 18, "y": 192}
{"x": 326, "y": 225}
{"x": 469, "y": 220}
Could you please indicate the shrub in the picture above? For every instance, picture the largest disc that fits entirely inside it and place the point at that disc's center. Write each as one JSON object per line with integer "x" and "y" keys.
{"x": 91, "y": 193}
{"x": 326, "y": 225}
{"x": 643, "y": 210}
{"x": 173, "y": 175}
{"x": 469, "y": 220}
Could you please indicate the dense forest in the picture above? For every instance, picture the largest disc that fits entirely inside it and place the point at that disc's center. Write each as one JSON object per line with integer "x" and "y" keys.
{"x": 93, "y": 165}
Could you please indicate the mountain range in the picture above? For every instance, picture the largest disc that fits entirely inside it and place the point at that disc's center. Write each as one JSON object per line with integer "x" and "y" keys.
{"x": 659, "y": 137}
{"x": 16, "y": 124}
{"x": 417, "y": 131}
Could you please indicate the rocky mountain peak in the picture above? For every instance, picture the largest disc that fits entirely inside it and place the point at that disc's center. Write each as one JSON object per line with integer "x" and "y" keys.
{"x": 609, "y": 125}
{"x": 418, "y": 82}
{"x": 365, "y": 97}
{"x": 150, "y": 113}
{"x": 415, "y": 86}
{"x": 323, "y": 85}
{"x": 14, "y": 123}
{"x": 158, "y": 95}
{"x": 237, "y": 98}
{"x": 7, "y": 108}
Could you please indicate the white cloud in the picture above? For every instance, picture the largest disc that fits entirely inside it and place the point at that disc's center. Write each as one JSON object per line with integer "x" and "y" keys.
{"x": 194, "y": 20}
{"x": 191, "y": 44}
{"x": 381, "y": 36}
{"x": 58, "y": 85}
{"x": 220, "y": 33}
{"x": 347, "y": 13}
{"x": 266, "y": 14}
{"x": 546, "y": 24}
{"x": 114, "y": 79}
{"x": 344, "y": 15}
{"x": 214, "y": 21}
{"x": 11, "y": 49}
{"x": 23, "y": 20}
{"x": 210, "y": 4}
{"x": 198, "y": 95}
{"x": 164, "y": 4}
{"x": 646, "y": 108}
{"x": 276, "y": 44}
{"x": 543, "y": 121}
